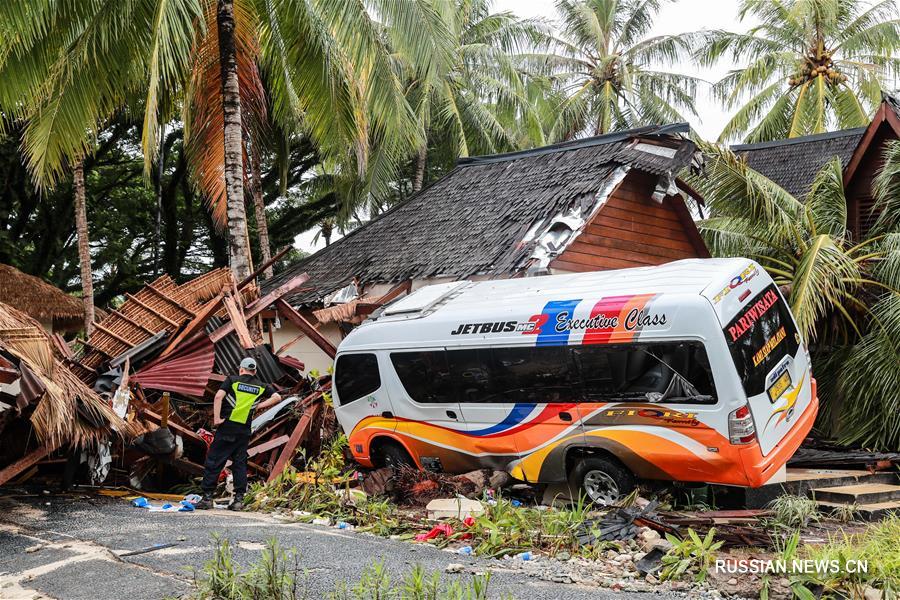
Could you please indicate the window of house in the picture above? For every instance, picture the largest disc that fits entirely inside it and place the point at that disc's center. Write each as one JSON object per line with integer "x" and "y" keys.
{"x": 356, "y": 376}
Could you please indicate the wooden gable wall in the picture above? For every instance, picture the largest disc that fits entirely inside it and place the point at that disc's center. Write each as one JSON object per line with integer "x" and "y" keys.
{"x": 632, "y": 230}
{"x": 864, "y": 166}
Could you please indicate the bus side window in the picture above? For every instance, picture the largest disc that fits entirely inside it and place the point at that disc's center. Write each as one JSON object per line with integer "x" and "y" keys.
{"x": 514, "y": 374}
{"x": 424, "y": 375}
{"x": 355, "y": 376}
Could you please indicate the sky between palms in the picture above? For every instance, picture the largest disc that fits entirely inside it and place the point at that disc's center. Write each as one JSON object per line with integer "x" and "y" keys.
{"x": 679, "y": 17}
{"x": 682, "y": 16}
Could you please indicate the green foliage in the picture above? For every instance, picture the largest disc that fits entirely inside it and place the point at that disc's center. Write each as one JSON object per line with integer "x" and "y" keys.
{"x": 276, "y": 576}
{"x": 376, "y": 584}
{"x": 692, "y": 554}
{"x": 809, "y": 66}
{"x": 878, "y": 546}
{"x": 844, "y": 292}
{"x": 608, "y": 69}
{"x": 792, "y": 512}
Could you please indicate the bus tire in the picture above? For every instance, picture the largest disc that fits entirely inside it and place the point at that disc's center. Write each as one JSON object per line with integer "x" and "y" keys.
{"x": 392, "y": 455}
{"x": 601, "y": 480}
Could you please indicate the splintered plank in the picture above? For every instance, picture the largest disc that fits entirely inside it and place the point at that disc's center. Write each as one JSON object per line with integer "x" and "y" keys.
{"x": 238, "y": 321}
{"x": 297, "y": 436}
{"x": 257, "y": 306}
{"x": 25, "y": 463}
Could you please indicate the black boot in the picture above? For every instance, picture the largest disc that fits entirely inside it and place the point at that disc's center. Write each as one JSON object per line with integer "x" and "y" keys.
{"x": 237, "y": 503}
{"x": 205, "y": 503}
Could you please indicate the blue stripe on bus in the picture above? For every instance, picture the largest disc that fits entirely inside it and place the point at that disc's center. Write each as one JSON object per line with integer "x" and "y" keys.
{"x": 515, "y": 416}
{"x": 548, "y": 335}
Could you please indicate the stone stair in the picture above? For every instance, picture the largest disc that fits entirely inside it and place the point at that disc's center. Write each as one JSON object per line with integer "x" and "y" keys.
{"x": 874, "y": 497}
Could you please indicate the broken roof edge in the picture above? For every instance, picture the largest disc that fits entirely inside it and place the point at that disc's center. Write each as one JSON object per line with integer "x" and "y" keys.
{"x": 599, "y": 140}
{"x": 829, "y": 135}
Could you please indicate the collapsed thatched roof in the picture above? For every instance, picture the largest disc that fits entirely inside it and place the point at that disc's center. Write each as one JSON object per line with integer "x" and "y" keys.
{"x": 37, "y": 298}
{"x": 68, "y": 411}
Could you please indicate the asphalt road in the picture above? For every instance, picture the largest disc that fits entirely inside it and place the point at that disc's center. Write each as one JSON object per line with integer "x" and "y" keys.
{"x": 57, "y": 547}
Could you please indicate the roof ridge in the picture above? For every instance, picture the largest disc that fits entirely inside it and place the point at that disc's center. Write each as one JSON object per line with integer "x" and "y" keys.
{"x": 597, "y": 140}
{"x": 799, "y": 140}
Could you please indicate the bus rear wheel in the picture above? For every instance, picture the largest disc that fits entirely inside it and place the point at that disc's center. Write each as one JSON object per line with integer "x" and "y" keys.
{"x": 393, "y": 455}
{"x": 600, "y": 480}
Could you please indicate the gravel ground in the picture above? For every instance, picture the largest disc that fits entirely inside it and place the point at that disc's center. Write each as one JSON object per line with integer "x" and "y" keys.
{"x": 65, "y": 548}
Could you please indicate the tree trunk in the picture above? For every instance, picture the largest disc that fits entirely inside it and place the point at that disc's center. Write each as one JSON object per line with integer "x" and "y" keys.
{"x": 234, "y": 160}
{"x": 262, "y": 226}
{"x": 84, "y": 248}
{"x": 420, "y": 168}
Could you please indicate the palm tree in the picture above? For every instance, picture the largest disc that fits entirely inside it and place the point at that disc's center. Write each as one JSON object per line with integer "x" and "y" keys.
{"x": 814, "y": 65}
{"x": 84, "y": 247}
{"x": 608, "y": 68}
{"x": 463, "y": 103}
{"x": 68, "y": 66}
{"x": 844, "y": 293}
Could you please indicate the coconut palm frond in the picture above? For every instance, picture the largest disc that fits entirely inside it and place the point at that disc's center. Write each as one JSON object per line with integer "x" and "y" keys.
{"x": 812, "y": 49}
{"x": 870, "y": 378}
{"x": 827, "y": 202}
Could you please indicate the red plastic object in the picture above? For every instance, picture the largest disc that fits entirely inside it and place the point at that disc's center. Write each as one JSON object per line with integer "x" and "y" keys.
{"x": 437, "y": 530}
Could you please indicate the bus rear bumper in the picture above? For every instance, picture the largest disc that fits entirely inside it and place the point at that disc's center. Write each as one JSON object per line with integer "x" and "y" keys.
{"x": 758, "y": 468}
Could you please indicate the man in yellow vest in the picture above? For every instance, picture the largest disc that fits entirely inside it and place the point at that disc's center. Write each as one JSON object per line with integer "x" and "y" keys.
{"x": 232, "y": 418}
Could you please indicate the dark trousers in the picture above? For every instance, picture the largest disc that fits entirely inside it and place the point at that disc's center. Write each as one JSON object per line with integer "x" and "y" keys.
{"x": 228, "y": 444}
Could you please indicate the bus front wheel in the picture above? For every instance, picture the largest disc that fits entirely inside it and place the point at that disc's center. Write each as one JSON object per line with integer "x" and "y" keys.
{"x": 393, "y": 455}
{"x": 601, "y": 480}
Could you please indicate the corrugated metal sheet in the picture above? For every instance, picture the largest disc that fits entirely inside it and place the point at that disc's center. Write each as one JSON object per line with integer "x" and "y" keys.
{"x": 186, "y": 371}
{"x": 229, "y": 355}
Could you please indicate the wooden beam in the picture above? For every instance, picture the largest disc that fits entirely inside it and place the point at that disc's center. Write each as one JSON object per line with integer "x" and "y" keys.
{"x": 115, "y": 336}
{"x": 195, "y": 325}
{"x": 170, "y": 301}
{"x": 264, "y": 266}
{"x": 266, "y": 446}
{"x": 25, "y": 463}
{"x": 863, "y": 146}
{"x": 395, "y": 292}
{"x": 132, "y": 322}
{"x": 298, "y": 435}
{"x": 288, "y": 312}
{"x": 151, "y": 311}
{"x": 238, "y": 323}
{"x": 257, "y": 306}
{"x": 155, "y": 418}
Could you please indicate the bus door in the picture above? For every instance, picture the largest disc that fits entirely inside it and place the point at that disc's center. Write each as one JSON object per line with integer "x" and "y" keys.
{"x": 428, "y": 415}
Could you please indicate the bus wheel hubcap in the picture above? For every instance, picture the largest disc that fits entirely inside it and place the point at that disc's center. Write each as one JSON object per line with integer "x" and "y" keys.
{"x": 600, "y": 487}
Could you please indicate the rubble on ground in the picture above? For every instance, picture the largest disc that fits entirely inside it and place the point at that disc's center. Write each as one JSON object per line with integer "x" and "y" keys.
{"x": 132, "y": 404}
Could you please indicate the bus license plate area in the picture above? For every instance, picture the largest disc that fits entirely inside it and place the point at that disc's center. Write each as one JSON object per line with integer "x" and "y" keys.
{"x": 779, "y": 386}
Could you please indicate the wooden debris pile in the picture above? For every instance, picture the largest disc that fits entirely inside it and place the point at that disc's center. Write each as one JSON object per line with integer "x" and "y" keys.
{"x": 154, "y": 363}
{"x": 43, "y": 405}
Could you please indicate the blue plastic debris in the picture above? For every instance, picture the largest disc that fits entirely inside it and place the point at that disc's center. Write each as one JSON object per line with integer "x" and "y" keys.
{"x": 141, "y": 502}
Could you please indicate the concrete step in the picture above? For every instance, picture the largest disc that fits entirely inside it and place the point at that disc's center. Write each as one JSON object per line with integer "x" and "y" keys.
{"x": 868, "y": 512}
{"x": 860, "y": 493}
{"x": 801, "y": 482}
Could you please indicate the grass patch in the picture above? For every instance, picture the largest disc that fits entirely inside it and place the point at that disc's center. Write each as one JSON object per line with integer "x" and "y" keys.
{"x": 792, "y": 512}
{"x": 278, "y": 576}
{"x": 878, "y": 547}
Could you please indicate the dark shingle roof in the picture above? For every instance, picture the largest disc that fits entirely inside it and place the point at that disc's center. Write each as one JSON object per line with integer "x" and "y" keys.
{"x": 473, "y": 220}
{"x": 794, "y": 162}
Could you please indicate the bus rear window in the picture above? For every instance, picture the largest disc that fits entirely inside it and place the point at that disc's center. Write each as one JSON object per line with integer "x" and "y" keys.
{"x": 759, "y": 337}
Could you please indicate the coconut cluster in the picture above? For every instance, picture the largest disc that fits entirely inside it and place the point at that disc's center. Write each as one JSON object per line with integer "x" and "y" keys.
{"x": 817, "y": 66}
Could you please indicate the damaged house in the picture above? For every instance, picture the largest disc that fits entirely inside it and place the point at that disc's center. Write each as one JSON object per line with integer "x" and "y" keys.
{"x": 793, "y": 163}
{"x": 606, "y": 202}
